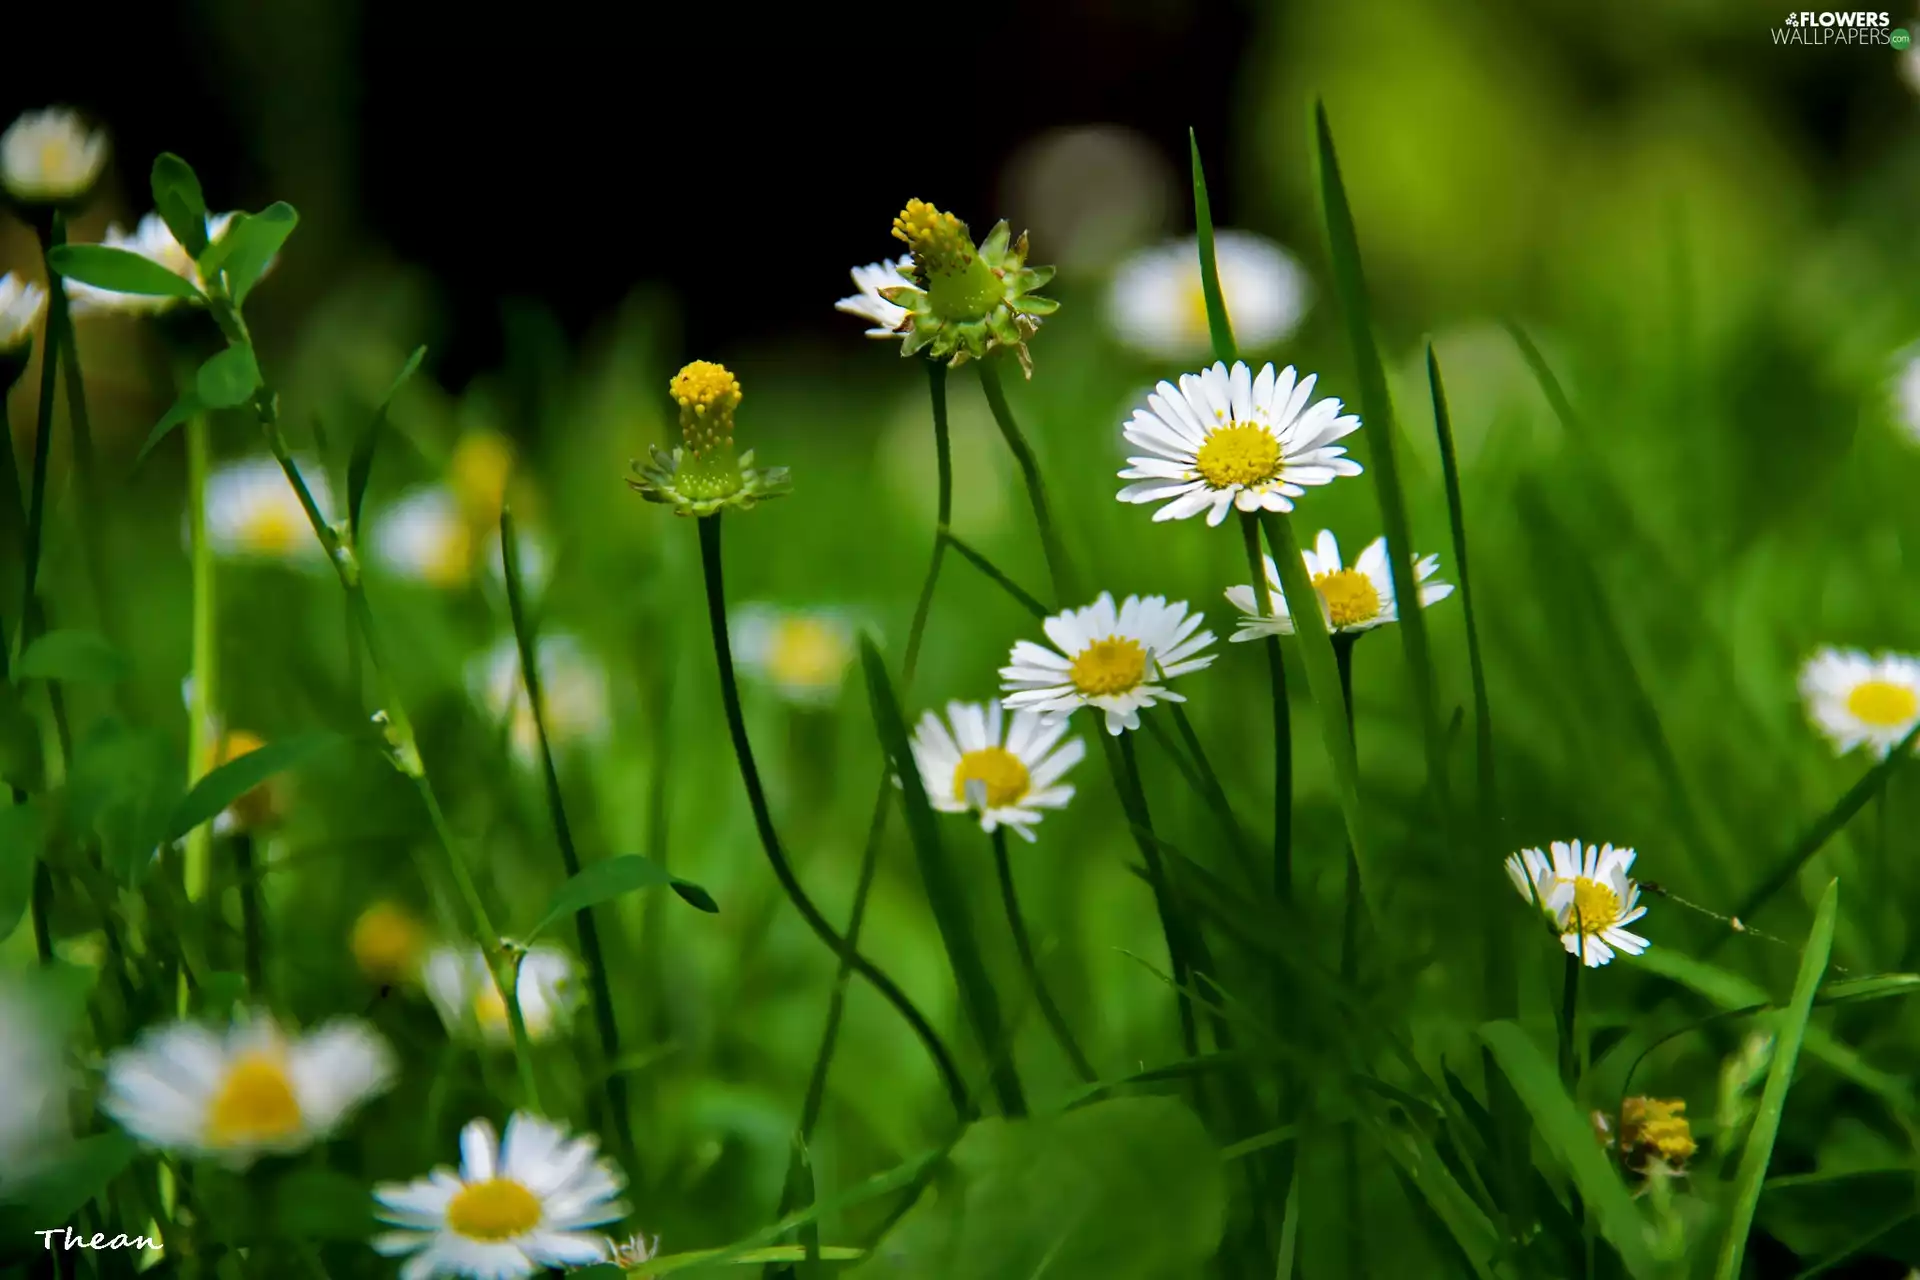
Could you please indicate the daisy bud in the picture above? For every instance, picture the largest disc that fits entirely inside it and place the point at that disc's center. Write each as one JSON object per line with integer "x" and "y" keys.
{"x": 961, "y": 302}
{"x": 704, "y": 475}
{"x": 21, "y": 302}
{"x": 49, "y": 158}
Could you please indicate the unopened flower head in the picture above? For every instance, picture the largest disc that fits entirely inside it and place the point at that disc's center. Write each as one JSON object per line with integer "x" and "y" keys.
{"x": 1004, "y": 768}
{"x": 1655, "y": 1136}
{"x": 151, "y": 239}
{"x": 50, "y": 157}
{"x": 1158, "y": 307}
{"x": 802, "y": 654}
{"x": 1230, "y": 439}
{"x": 33, "y": 1103}
{"x": 1115, "y": 660}
{"x": 1857, "y": 699}
{"x": 573, "y": 693}
{"x": 872, "y": 303}
{"x": 253, "y": 512}
{"x": 250, "y": 1090}
{"x": 516, "y": 1206}
{"x": 1585, "y": 895}
{"x": 386, "y": 943}
{"x": 21, "y": 302}
{"x": 703, "y": 476}
{"x": 461, "y": 984}
{"x": 1351, "y": 599}
{"x": 963, "y": 301}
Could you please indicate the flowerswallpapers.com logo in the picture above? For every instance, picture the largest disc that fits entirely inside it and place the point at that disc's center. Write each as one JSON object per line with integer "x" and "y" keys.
{"x": 1840, "y": 28}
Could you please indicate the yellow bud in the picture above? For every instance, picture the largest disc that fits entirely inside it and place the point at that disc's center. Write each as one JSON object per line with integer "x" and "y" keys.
{"x": 938, "y": 239}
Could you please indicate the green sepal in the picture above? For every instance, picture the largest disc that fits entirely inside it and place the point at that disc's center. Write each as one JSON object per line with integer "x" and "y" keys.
{"x": 658, "y": 480}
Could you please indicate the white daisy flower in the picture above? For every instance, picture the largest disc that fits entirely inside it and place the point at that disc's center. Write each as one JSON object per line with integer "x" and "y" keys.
{"x": 1005, "y": 779}
{"x": 1352, "y": 600}
{"x": 1157, "y": 305}
{"x": 573, "y": 690}
{"x": 802, "y": 654}
{"x": 424, "y": 537}
{"x": 1222, "y": 440}
{"x": 1586, "y": 897}
{"x": 253, "y": 1090}
{"x": 253, "y": 512}
{"x": 885, "y": 316}
{"x": 21, "y": 302}
{"x": 33, "y": 1104}
{"x": 50, "y": 156}
{"x": 461, "y": 985}
{"x": 1108, "y": 659}
{"x": 1906, "y": 384}
{"x": 514, "y": 1207}
{"x": 631, "y": 1252}
{"x": 153, "y": 240}
{"x": 1855, "y": 699}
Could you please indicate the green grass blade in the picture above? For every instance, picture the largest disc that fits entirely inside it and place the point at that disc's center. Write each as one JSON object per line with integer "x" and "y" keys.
{"x": 1773, "y": 1098}
{"x": 1219, "y": 326}
{"x": 1376, "y": 406}
{"x": 1020, "y": 595}
{"x": 1569, "y": 1135}
{"x": 1427, "y": 1176}
{"x": 946, "y": 892}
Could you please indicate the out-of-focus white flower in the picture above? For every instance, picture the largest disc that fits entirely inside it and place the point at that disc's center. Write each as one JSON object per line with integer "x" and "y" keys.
{"x": 803, "y": 654}
{"x": 254, "y": 513}
{"x": 51, "y": 157}
{"x": 153, "y": 240}
{"x": 1856, "y": 699}
{"x": 425, "y": 537}
{"x": 1158, "y": 307}
{"x": 1906, "y": 384}
{"x": 21, "y": 302}
{"x": 869, "y": 305}
{"x": 573, "y": 691}
{"x": 461, "y": 985}
{"x": 33, "y": 1113}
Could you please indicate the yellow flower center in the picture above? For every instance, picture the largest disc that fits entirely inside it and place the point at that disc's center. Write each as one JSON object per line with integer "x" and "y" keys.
{"x": 707, "y": 395}
{"x": 386, "y": 942}
{"x": 255, "y": 1104}
{"x": 1883, "y": 704}
{"x": 55, "y": 156}
{"x": 1113, "y": 665}
{"x": 1595, "y": 907}
{"x": 806, "y": 653}
{"x": 447, "y": 559}
{"x": 273, "y": 529}
{"x": 496, "y": 1210}
{"x": 1002, "y": 772}
{"x": 1243, "y": 453}
{"x": 481, "y": 465}
{"x": 1659, "y": 1126}
{"x": 960, "y": 284}
{"x": 1351, "y": 597}
{"x": 490, "y": 1008}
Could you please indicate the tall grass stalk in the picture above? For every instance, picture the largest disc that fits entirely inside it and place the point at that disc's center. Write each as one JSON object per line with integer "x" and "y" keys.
{"x": 1023, "y": 944}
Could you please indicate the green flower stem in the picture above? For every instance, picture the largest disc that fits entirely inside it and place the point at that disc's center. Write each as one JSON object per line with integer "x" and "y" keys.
{"x": 1061, "y": 570}
{"x": 1125, "y": 765}
{"x": 529, "y": 1083}
{"x": 13, "y": 517}
{"x": 1205, "y": 781}
{"x": 1056, "y": 1021}
{"x": 36, "y": 508}
{"x": 1282, "y": 718}
{"x": 252, "y": 929}
{"x": 1343, "y": 646}
{"x": 1021, "y": 596}
{"x": 943, "y": 461}
{"x": 40, "y": 906}
{"x": 590, "y": 950}
{"x": 200, "y": 714}
{"x": 1569, "y": 1013}
{"x": 710, "y": 561}
{"x": 80, "y": 425}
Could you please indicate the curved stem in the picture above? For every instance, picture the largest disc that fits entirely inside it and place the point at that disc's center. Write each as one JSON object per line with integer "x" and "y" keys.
{"x": 1343, "y": 646}
{"x": 1133, "y": 799}
{"x": 1282, "y": 719}
{"x": 517, "y": 1020}
{"x": 205, "y": 696}
{"x": 36, "y": 506}
{"x": 252, "y": 929}
{"x": 770, "y": 840}
{"x": 943, "y": 461}
{"x": 1057, "y": 564}
{"x": 1016, "y": 921}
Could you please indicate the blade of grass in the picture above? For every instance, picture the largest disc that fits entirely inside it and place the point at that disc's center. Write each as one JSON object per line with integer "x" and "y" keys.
{"x": 1773, "y": 1097}
{"x": 1570, "y": 1136}
{"x": 946, "y": 892}
{"x": 1376, "y": 403}
{"x": 1219, "y": 326}
{"x": 1023, "y": 945}
{"x": 1058, "y": 566}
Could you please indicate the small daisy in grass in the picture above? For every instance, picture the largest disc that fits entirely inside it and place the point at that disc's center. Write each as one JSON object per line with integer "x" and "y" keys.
{"x": 461, "y": 985}
{"x": 50, "y": 157}
{"x": 1856, "y": 699}
{"x": 248, "y": 1091}
{"x": 387, "y": 942}
{"x": 871, "y": 305}
{"x": 1352, "y": 599}
{"x": 425, "y": 537}
{"x": 253, "y": 512}
{"x": 1222, "y": 440}
{"x": 1585, "y": 895}
{"x": 1113, "y": 660}
{"x": 1006, "y": 769}
{"x": 803, "y": 654}
{"x": 1158, "y": 307}
{"x": 515, "y": 1206}
{"x": 573, "y": 693}
{"x": 21, "y": 302}
{"x": 965, "y": 301}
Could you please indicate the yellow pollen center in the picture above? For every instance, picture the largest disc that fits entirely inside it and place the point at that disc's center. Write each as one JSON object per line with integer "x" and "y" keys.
{"x": 255, "y": 1104}
{"x": 490, "y": 1008}
{"x": 496, "y": 1210}
{"x": 939, "y": 239}
{"x": 707, "y": 395}
{"x": 1883, "y": 704}
{"x": 1242, "y": 453}
{"x": 386, "y": 942}
{"x": 1595, "y": 907}
{"x": 54, "y": 157}
{"x": 1659, "y": 1126}
{"x": 1351, "y": 597}
{"x": 1113, "y": 665}
{"x": 481, "y": 465}
{"x": 448, "y": 556}
{"x": 806, "y": 654}
{"x": 1002, "y": 772}
{"x": 273, "y": 529}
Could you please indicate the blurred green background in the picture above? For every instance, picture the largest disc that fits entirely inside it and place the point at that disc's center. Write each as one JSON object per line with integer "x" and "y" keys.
{"x": 1707, "y": 234}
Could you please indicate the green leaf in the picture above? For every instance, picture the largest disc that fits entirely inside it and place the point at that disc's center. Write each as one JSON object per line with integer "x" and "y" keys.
{"x": 185, "y": 407}
{"x": 120, "y": 271}
{"x": 1127, "y": 1189}
{"x": 80, "y": 1173}
{"x": 227, "y": 378}
{"x": 249, "y": 248}
{"x": 22, "y": 756}
{"x": 23, "y": 838}
{"x": 177, "y": 196}
{"x": 946, "y": 892}
{"x": 612, "y": 878}
{"x": 1428, "y": 1177}
{"x": 321, "y": 1204}
{"x": 360, "y": 468}
{"x": 1773, "y": 1097}
{"x": 73, "y": 656}
{"x": 1570, "y": 1136}
{"x": 694, "y": 896}
{"x": 219, "y": 992}
{"x": 226, "y": 784}
{"x": 123, "y": 785}
{"x": 1218, "y": 323}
